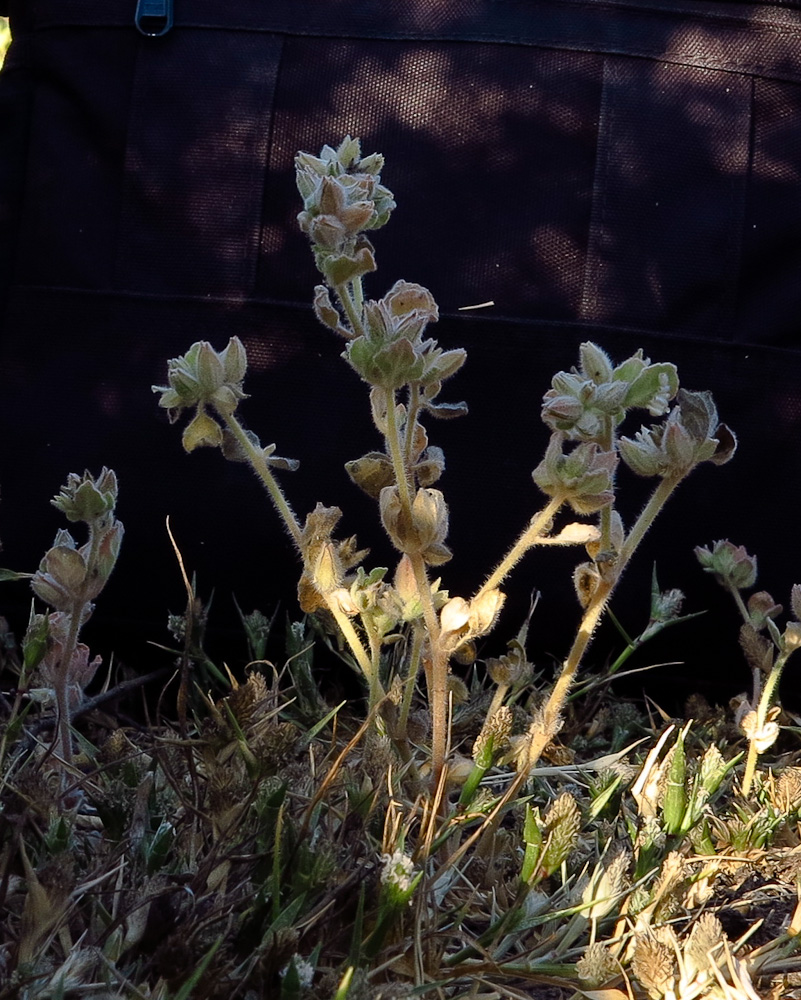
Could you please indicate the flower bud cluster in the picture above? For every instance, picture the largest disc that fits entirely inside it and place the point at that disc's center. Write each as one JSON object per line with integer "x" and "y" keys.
{"x": 341, "y": 192}
{"x": 204, "y": 377}
{"x": 377, "y": 603}
{"x": 78, "y": 672}
{"x": 580, "y": 402}
{"x": 407, "y": 596}
{"x": 342, "y": 198}
{"x": 84, "y": 498}
{"x": 326, "y": 562}
{"x": 424, "y": 533}
{"x": 392, "y": 352}
{"x": 691, "y": 434}
{"x": 68, "y": 575}
{"x": 730, "y": 564}
{"x": 584, "y": 476}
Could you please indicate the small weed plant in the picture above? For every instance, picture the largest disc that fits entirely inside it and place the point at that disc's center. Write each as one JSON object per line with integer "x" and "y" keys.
{"x": 508, "y": 835}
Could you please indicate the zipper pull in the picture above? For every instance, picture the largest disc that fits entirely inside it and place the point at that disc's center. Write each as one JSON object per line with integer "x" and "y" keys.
{"x": 153, "y": 17}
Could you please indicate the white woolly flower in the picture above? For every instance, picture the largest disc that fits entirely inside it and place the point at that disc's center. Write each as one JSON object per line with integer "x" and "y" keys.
{"x": 304, "y": 970}
{"x": 397, "y": 871}
{"x": 660, "y": 401}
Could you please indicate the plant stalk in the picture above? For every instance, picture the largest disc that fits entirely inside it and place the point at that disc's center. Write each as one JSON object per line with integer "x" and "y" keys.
{"x": 536, "y": 527}
{"x": 259, "y": 465}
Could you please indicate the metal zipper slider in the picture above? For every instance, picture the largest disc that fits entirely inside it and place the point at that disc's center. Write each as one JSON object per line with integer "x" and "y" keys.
{"x": 153, "y": 17}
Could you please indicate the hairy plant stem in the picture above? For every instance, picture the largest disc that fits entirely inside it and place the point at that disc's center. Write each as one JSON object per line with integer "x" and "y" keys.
{"x": 765, "y": 696}
{"x": 397, "y": 457}
{"x": 413, "y": 409}
{"x": 538, "y": 525}
{"x": 63, "y": 737}
{"x": 738, "y": 600}
{"x": 353, "y": 313}
{"x": 556, "y": 700}
{"x": 357, "y": 648}
{"x": 592, "y": 616}
{"x": 648, "y": 515}
{"x": 358, "y": 294}
{"x": 607, "y": 443}
{"x": 258, "y": 463}
{"x": 762, "y": 710}
{"x": 411, "y": 677}
{"x": 437, "y": 674}
{"x": 376, "y": 690}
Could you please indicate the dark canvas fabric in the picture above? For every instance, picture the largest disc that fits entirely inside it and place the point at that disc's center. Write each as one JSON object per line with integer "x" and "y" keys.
{"x": 618, "y": 170}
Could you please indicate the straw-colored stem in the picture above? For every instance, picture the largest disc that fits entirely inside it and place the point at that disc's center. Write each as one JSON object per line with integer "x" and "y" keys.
{"x": 592, "y": 616}
{"x": 357, "y": 648}
{"x": 259, "y": 465}
{"x": 762, "y": 710}
{"x": 376, "y": 689}
{"x": 437, "y": 676}
{"x": 538, "y": 525}
{"x": 411, "y": 678}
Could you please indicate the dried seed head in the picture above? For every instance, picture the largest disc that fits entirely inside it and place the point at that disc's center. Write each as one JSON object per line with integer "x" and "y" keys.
{"x": 274, "y": 745}
{"x": 395, "y": 692}
{"x": 670, "y": 885}
{"x": 586, "y": 580}
{"x": 512, "y": 668}
{"x": 787, "y": 796}
{"x": 704, "y": 941}
{"x": 597, "y": 966}
{"x": 758, "y": 650}
{"x": 654, "y": 965}
{"x": 650, "y": 835}
{"x": 494, "y": 737}
{"x": 562, "y": 824}
{"x": 607, "y": 882}
{"x": 247, "y": 698}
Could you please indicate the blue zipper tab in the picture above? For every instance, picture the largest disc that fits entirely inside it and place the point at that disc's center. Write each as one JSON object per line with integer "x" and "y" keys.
{"x": 153, "y": 17}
